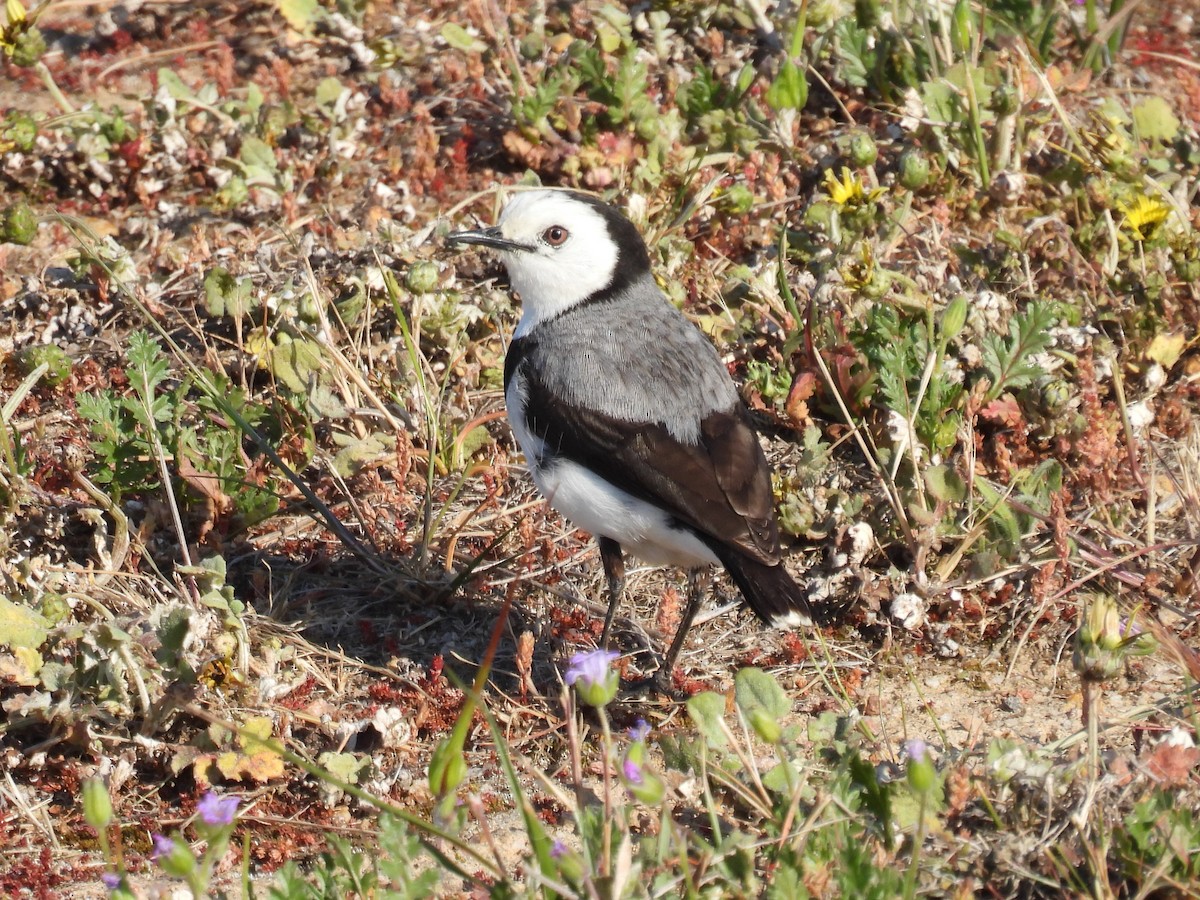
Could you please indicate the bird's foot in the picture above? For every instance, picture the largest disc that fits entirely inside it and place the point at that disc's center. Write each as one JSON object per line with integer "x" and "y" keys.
{"x": 649, "y": 687}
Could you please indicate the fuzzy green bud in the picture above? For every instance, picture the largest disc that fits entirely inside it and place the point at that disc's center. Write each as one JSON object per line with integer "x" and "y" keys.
{"x": 28, "y": 47}
{"x": 879, "y": 284}
{"x": 764, "y": 725}
{"x": 650, "y": 791}
{"x": 642, "y": 784}
{"x": 447, "y": 769}
{"x": 921, "y": 774}
{"x": 591, "y": 674}
{"x": 1055, "y": 394}
{"x": 18, "y": 224}
{"x": 97, "y": 805}
{"x": 18, "y": 131}
{"x": 954, "y": 318}
{"x": 173, "y": 856}
{"x": 58, "y": 364}
{"x": 913, "y": 169}
{"x": 308, "y": 308}
{"x": 421, "y": 277}
{"x": 960, "y": 27}
{"x": 1098, "y": 655}
{"x": 599, "y": 693}
{"x": 862, "y": 149}
{"x": 532, "y": 47}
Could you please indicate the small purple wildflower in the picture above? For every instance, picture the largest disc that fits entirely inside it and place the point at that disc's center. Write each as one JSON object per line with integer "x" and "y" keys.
{"x": 591, "y": 666}
{"x": 558, "y": 849}
{"x": 633, "y": 772}
{"x": 595, "y": 682}
{"x": 217, "y": 810}
{"x": 640, "y": 731}
{"x": 916, "y": 749}
{"x": 111, "y": 880}
{"x": 921, "y": 774}
{"x": 163, "y": 846}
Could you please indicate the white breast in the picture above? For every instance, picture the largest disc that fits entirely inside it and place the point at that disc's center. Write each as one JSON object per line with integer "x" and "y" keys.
{"x": 599, "y": 507}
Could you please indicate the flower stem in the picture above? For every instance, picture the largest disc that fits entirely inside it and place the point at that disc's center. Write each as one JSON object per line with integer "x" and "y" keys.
{"x": 48, "y": 80}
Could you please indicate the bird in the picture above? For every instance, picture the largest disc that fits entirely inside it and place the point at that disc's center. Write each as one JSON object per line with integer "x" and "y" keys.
{"x": 630, "y": 423}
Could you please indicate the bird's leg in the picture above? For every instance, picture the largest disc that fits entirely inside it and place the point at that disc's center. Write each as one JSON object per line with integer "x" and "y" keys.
{"x": 614, "y": 574}
{"x": 698, "y": 580}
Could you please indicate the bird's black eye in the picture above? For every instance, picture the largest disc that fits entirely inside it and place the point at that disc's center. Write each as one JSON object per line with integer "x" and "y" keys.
{"x": 555, "y": 235}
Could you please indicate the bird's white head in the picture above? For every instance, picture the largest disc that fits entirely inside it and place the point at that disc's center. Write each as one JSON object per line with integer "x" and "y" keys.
{"x": 561, "y": 248}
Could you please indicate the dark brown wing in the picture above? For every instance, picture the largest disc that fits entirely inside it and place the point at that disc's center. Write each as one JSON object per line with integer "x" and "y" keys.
{"x": 720, "y": 486}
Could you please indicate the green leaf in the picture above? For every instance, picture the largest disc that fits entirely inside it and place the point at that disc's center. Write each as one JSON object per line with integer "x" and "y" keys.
{"x": 343, "y": 766}
{"x": 460, "y": 39}
{"x": 707, "y": 711}
{"x": 300, "y": 15}
{"x": 258, "y": 158}
{"x": 468, "y": 444}
{"x": 329, "y": 91}
{"x": 942, "y": 103}
{"x": 294, "y": 361}
{"x": 399, "y": 854}
{"x": 944, "y": 484}
{"x": 853, "y": 48}
{"x": 755, "y": 689}
{"x": 324, "y": 403}
{"x": 174, "y": 85}
{"x": 1000, "y": 516}
{"x": 779, "y": 779}
{"x": 1006, "y": 360}
{"x": 20, "y": 626}
{"x": 1154, "y": 120}
{"x": 225, "y": 295}
{"x": 354, "y": 457}
{"x": 1165, "y": 349}
{"x": 608, "y": 37}
{"x": 876, "y": 797}
{"x": 254, "y": 99}
{"x": 826, "y": 729}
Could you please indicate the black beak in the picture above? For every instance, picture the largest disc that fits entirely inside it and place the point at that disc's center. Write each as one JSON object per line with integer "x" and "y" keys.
{"x": 485, "y": 237}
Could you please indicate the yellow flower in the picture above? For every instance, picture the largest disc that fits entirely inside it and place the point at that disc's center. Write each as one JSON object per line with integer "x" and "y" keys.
{"x": 857, "y": 273}
{"x": 1143, "y": 216}
{"x": 848, "y": 191}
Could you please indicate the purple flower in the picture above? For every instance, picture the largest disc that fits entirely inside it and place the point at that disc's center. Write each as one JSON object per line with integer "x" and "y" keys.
{"x": 163, "y": 846}
{"x": 111, "y": 880}
{"x": 640, "y": 731}
{"x": 592, "y": 666}
{"x": 633, "y": 772}
{"x": 593, "y": 679}
{"x": 558, "y": 849}
{"x": 916, "y": 749}
{"x": 216, "y": 810}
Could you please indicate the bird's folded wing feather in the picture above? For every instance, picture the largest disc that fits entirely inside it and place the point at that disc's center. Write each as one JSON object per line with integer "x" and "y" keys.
{"x": 719, "y": 486}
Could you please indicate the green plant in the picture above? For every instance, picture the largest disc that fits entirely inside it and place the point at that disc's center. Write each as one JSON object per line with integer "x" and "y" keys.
{"x": 907, "y": 355}
{"x": 134, "y": 433}
{"x": 1008, "y": 362}
{"x": 1158, "y": 844}
{"x": 398, "y": 869}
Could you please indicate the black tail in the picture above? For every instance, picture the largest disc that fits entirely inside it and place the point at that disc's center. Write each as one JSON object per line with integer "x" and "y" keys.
{"x": 769, "y": 590}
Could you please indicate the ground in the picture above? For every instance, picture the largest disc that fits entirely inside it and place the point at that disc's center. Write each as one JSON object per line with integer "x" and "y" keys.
{"x": 955, "y": 272}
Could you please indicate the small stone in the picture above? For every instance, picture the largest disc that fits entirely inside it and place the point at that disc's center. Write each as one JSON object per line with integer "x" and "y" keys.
{"x": 1013, "y": 704}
